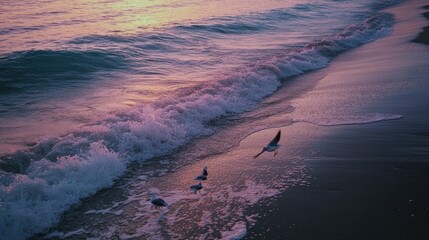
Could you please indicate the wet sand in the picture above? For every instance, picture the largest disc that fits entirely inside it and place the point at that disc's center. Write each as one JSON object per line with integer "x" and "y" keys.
{"x": 367, "y": 181}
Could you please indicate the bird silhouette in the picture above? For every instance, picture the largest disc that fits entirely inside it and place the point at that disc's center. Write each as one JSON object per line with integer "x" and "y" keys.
{"x": 203, "y": 175}
{"x": 157, "y": 202}
{"x": 272, "y": 146}
{"x": 197, "y": 187}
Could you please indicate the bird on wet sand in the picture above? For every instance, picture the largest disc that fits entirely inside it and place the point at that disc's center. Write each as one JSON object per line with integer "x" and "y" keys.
{"x": 272, "y": 146}
{"x": 203, "y": 175}
{"x": 157, "y": 202}
{"x": 195, "y": 188}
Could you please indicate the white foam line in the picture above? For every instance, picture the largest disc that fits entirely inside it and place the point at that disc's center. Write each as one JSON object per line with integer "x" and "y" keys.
{"x": 104, "y": 211}
{"x": 62, "y": 235}
{"x": 238, "y": 231}
{"x": 352, "y": 119}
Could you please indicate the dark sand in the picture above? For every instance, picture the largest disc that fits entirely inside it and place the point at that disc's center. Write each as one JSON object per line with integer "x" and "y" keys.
{"x": 372, "y": 183}
{"x": 368, "y": 181}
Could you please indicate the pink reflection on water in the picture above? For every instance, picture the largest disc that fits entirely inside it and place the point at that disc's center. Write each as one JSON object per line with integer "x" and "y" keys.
{"x": 44, "y": 24}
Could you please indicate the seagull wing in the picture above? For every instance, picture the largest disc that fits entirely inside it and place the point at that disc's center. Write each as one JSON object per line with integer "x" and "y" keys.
{"x": 275, "y": 140}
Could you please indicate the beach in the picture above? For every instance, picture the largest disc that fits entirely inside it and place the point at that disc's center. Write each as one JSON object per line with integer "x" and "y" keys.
{"x": 368, "y": 181}
{"x": 349, "y": 99}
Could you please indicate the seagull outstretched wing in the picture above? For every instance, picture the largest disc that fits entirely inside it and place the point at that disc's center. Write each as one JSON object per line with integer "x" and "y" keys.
{"x": 276, "y": 139}
{"x": 205, "y": 173}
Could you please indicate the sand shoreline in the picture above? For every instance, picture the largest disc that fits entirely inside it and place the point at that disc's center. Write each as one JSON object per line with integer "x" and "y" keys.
{"x": 367, "y": 181}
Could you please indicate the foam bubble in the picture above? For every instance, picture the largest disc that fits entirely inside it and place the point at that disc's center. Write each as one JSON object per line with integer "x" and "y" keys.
{"x": 62, "y": 235}
{"x": 238, "y": 231}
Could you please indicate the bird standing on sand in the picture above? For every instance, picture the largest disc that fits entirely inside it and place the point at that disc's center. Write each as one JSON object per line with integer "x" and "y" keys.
{"x": 195, "y": 188}
{"x": 272, "y": 146}
{"x": 203, "y": 175}
{"x": 157, "y": 202}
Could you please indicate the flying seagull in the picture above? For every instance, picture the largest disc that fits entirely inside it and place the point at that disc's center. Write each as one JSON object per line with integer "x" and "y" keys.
{"x": 272, "y": 146}
{"x": 203, "y": 175}
{"x": 157, "y": 202}
{"x": 196, "y": 188}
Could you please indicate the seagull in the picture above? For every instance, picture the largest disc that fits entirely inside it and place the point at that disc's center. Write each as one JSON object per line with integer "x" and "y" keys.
{"x": 196, "y": 188}
{"x": 203, "y": 175}
{"x": 157, "y": 202}
{"x": 272, "y": 146}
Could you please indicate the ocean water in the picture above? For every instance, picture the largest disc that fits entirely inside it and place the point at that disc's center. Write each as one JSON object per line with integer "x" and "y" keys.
{"x": 88, "y": 89}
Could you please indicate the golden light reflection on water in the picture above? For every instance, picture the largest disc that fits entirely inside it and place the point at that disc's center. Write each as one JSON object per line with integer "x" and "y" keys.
{"x": 45, "y": 24}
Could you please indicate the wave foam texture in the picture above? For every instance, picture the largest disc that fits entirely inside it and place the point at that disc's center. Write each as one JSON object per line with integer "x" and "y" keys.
{"x": 58, "y": 171}
{"x": 33, "y": 201}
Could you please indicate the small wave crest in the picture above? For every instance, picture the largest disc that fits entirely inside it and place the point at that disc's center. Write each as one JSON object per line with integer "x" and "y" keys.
{"x": 230, "y": 27}
{"x": 59, "y": 171}
{"x": 245, "y": 24}
{"x": 144, "y": 41}
{"x": 40, "y": 66}
{"x": 378, "y": 5}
